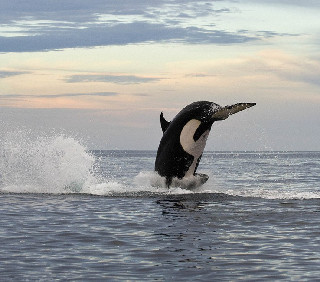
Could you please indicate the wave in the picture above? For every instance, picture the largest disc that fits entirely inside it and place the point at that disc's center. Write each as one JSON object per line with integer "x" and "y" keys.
{"x": 58, "y": 164}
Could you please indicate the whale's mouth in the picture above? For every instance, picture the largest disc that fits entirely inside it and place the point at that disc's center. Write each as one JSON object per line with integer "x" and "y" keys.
{"x": 221, "y": 113}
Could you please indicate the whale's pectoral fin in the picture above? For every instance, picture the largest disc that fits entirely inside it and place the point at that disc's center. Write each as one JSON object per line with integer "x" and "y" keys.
{"x": 225, "y": 112}
{"x": 164, "y": 124}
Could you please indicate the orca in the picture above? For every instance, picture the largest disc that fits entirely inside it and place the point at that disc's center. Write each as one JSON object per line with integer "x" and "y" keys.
{"x": 184, "y": 139}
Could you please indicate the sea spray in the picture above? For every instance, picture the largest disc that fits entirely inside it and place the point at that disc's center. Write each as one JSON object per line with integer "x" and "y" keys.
{"x": 43, "y": 164}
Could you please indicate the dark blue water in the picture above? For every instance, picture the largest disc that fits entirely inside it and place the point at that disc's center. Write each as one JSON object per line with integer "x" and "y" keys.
{"x": 257, "y": 218}
{"x": 185, "y": 237}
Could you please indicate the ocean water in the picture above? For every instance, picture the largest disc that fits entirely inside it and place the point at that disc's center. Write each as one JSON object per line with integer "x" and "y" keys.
{"x": 67, "y": 213}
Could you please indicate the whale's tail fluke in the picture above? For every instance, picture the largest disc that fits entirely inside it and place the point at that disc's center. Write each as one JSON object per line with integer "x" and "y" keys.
{"x": 225, "y": 112}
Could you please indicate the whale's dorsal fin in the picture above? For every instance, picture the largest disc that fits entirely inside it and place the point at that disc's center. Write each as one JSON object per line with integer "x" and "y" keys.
{"x": 164, "y": 123}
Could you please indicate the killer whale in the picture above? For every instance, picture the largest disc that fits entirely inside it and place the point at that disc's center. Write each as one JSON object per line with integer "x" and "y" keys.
{"x": 184, "y": 139}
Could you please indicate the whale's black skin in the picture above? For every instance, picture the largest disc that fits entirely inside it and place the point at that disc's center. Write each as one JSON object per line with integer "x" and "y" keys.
{"x": 184, "y": 138}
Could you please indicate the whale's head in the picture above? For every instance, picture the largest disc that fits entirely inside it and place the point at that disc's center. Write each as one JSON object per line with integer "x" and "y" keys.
{"x": 203, "y": 114}
{"x": 199, "y": 117}
{"x": 209, "y": 112}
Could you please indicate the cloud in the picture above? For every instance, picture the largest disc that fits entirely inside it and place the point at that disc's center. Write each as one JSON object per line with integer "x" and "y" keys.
{"x": 306, "y": 3}
{"x": 118, "y": 79}
{"x": 270, "y": 34}
{"x": 83, "y": 12}
{"x": 31, "y": 26}
{"x": 267, "y": 64}
{"x": 98, "y": 94}
{"x": 5, "y": 74}
{"x": 307, "y": 71}
{"x": 119, "y": 34}
{"x": 22, "y": 96}
{"x": 287, "y": 66}
{"x": 80, "y": 11}
{"x": 199, "y": 75}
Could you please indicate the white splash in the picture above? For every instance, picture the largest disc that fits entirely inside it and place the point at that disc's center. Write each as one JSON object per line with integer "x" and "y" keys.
{"x": 43, "y": 164}
{"x": 58, "y": 164}
{"x": 153, "y": 182}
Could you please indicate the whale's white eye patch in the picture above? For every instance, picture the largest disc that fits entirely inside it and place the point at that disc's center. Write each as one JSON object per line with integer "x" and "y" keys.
{"x": 187, "y": 133}
{"x": 194, "y": 148}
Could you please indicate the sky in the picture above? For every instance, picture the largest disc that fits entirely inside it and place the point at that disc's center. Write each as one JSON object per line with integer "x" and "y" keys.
{"x": 102, "y": 71}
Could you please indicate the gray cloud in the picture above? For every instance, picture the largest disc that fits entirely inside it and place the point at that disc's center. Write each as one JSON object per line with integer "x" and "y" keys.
{"x": 80, "y": 11}
{"x": 55, "y": 24}
{"x": 120, "y": 34}
{"x": 119, "y": 79}
{"x": 4, "y": 74}
{"x": 269, "y": 34}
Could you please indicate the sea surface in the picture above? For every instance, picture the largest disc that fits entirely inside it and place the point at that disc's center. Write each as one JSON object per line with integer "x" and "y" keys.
{"x": 67, "y": 213}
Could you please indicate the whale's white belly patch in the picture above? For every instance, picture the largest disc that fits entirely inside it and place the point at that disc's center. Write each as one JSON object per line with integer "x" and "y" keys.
{"x": 194, "y": 148}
